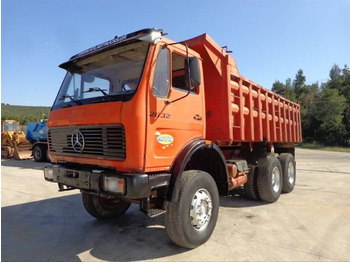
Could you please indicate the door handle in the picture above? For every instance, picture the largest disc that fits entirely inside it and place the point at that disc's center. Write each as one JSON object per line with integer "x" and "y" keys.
{"x": 197, "y": 117}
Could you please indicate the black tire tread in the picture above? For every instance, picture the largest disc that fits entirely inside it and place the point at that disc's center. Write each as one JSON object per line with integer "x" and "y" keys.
{"x": 284, "y": 159}
{"x": 251, "y": 188}
{"x": 264, "y": 183}
{"x": 173, "y": 220}
{"x": 172, "y": 224}
{"x": 42, "y": 157}
{"x": 94, "y": 209}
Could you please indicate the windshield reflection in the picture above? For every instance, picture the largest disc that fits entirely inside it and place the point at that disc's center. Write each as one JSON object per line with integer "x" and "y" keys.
{"x": 109, "y": 76}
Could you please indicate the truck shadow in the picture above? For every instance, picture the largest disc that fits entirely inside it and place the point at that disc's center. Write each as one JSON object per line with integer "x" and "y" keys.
{"x": 31, "y": 164}
{"x": 59, "y": 229}
{"x": 237, "y": 199}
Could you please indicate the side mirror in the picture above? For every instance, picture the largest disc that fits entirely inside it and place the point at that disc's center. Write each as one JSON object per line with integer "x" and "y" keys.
{"x": 193, "y": 71}
{"x": 89, "y": 79}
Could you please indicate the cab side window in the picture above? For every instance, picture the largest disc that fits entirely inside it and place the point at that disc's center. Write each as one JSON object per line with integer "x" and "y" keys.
{"x": 179, "y": 80}
{"x": 178, "y": 71}
{"x": 161, "y": 79}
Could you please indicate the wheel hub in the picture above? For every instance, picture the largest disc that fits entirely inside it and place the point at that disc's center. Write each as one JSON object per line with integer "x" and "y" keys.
{"x": 291, "y": 173}
{"x": 37, "y": 154}
{"x": 201, "y": 209}
{"x": 276, "y": 179}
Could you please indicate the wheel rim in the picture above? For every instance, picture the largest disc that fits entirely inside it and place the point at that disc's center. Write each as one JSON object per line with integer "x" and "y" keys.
{"x": 276, "y": 179}
{"x": 37, "y": 153}
{"x": 291, "y": 173}
{"x": 201, "y": 209}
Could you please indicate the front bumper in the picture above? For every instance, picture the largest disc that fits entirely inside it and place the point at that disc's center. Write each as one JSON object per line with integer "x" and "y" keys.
{"x": 136, "y": 186}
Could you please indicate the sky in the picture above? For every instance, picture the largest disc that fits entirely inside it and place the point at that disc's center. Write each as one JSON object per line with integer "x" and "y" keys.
{"x": 270, "y": 39}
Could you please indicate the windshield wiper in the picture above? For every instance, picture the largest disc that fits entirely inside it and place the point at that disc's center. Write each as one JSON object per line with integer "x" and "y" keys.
{"x": 97, "y": 89}
{"x": 71, "y": 98}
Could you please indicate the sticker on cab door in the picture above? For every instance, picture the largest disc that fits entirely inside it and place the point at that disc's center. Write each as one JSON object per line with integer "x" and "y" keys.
{"x": 165, "y": 139}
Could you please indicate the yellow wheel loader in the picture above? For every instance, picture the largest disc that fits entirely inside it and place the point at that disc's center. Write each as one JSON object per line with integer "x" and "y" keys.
{"x": 13, "y": 141}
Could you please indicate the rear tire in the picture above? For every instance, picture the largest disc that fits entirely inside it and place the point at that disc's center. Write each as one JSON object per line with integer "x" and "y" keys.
{"x": 190, "y": 221}
{"x": 39, "y": 153}
{"x": 270, "y": 180}
{"x": 289, "y": 172}
{"x": 251, "y": 187}
{"x": 102, "y": 208}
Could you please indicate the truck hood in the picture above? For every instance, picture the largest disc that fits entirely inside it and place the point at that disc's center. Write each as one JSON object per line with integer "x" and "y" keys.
{"x": 99, "y": 114}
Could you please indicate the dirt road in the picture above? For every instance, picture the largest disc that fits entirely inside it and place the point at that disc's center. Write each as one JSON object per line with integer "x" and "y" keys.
{"x": 311, "y": 223}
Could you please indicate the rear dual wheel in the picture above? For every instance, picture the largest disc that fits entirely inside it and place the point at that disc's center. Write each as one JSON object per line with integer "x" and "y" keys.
{"x": 277, "y": 176}
{"x": 269, "y": 180}
{"x": 251, "y": 188}
{"x": 289, "y": 172}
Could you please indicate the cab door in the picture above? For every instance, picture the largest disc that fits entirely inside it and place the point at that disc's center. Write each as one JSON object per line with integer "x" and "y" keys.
{"x": 174, "y": 117}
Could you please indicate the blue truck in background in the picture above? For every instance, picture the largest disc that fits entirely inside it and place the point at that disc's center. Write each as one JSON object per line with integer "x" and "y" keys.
{"x": 37, "y": 135}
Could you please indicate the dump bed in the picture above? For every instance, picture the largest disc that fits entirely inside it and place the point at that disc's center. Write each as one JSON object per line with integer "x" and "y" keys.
{"x": 237, "y": 109}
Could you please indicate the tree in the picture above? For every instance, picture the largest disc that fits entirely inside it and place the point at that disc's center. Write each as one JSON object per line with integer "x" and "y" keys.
{"x": 335, "y": 72}
{"x": 278, "y": 87}
{"x": 340, "y": 81}
{"x": 285, "y": 90}
{"x": 325, "y": 107}
{"x": 329, "y": 113}
{"x": 308, "y": 110}
{"x": 299, "y": 82}
{"x": 290, "y": 92}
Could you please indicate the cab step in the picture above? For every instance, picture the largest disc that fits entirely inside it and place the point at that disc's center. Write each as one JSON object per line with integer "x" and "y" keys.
{"x": 154, "y": 212}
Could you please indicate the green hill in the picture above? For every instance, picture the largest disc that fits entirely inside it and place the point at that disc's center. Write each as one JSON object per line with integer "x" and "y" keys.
{"x": 24, "y": 114}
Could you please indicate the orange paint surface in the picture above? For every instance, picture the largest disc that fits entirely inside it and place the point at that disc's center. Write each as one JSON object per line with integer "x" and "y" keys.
{"x": 227, "y": 108}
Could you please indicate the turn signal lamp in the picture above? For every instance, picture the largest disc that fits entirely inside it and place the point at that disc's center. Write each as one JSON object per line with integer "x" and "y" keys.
{"x": 114, "y": 184}
{"x": 48, "y": 173}
{"x": 208, "y": 142}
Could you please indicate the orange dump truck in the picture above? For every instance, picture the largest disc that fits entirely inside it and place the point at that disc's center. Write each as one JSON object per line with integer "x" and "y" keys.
{"x": 170, "y": 126}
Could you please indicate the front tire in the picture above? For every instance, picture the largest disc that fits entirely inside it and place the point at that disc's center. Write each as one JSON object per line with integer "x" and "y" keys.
{"x": 190, "y": 221}
{"x": 270, "y": 180}
{"x": 103, "y": 208}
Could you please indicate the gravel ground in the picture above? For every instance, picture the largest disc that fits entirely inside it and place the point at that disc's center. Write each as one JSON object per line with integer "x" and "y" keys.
{"x": 311, "y": 223}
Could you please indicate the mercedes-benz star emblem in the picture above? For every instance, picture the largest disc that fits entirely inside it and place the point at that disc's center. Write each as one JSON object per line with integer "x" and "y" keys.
{"x": 78, "y": 141}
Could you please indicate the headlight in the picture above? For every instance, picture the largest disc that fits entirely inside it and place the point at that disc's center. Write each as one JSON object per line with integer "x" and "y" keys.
{"x": 48, "y": 173}
{"x": 114, "y": 184}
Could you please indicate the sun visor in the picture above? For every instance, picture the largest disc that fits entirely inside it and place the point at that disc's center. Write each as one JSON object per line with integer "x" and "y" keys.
{"x": 146, "y": 35}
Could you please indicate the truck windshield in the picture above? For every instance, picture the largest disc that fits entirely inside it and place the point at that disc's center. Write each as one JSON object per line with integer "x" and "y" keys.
{"x": 112, "y": 75}
{"x": 11, "y": 126}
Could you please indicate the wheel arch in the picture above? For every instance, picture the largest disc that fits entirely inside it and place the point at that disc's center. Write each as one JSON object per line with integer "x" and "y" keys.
{"x": 281, "y": 148}
{"x": 199, "y": 155}
{"x": 39, "y": 143}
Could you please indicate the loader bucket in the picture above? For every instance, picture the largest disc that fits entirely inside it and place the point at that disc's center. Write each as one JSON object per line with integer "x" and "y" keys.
{"x": 22, "y": 151}
{"x": 6, "y": 152}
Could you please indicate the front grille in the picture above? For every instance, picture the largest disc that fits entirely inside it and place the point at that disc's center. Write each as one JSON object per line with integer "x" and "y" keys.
{"x": 100, "y": 141}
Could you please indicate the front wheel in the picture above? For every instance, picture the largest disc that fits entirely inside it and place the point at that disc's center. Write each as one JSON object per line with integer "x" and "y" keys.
{"x": 190, "y": 221}
{"x": 103, "y": 208}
